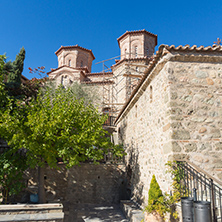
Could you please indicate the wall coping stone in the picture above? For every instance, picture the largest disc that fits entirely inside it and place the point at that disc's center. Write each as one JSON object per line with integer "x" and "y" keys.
{"x": 31, "y": 212}
{"x": 12, "y": 207}
{"x": 32, "y": 217}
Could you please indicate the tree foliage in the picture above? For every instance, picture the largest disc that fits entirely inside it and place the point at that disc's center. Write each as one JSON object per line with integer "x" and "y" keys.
{"x": 156, "y": 202}
{"x": 12, "y": 166}
{"x": 57, "y": 125}
{"x": 3, "y": 94}
{"x": 15, "y": 70}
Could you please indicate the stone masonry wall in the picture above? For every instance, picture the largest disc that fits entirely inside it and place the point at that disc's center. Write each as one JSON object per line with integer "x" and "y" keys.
{"x": 176, "y": 114}
{"x": 84, "y": 184}
{"x": 143, "y": 131}
{"x": 195, "y": 103}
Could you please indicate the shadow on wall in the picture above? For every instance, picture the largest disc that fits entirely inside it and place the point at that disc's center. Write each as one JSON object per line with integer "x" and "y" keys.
{"x": 84, "y": 184}
{"x": 133, "y": 174}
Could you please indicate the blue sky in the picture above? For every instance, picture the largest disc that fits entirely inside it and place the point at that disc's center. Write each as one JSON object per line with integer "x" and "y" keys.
{"x": 42, "y": 26}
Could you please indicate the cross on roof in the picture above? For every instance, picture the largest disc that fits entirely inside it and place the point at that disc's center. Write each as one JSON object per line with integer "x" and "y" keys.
{"x": 218, "y": 42}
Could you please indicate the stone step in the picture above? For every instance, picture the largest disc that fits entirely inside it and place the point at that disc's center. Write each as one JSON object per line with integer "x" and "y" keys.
{"x": 131, "y": 211}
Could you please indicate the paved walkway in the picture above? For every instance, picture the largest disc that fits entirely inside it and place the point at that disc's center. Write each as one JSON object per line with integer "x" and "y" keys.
{"x": 95, "y": 213}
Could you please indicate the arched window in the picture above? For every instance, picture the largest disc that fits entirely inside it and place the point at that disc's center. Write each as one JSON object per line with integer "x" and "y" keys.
{"x": 137, "y": 69}
{"x": 81, "y": 64}
{"x": 69, "y": 63}
{"x": 136, "y": 51}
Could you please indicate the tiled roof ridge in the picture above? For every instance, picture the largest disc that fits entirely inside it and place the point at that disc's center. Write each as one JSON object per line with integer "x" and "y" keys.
{"x": 74, "y": 46}
{"x": 136, "y": 31}
{"x": 98, "y": 73}
{"x": 80, "y": 68}
{"x": 98, "y": 82}
{"x": 193, "y": 48}
{"x": 128, "y": 59}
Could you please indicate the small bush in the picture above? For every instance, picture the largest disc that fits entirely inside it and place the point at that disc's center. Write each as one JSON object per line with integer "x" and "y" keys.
{"x": 156, "y": 202}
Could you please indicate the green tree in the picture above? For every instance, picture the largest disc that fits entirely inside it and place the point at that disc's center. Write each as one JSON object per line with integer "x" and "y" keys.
{"x": 156, "y": 202}
{"x": 56, "y": 125}
{"x": 11, "y": 165}
{"x": 16, "y": 69}
{"x": 3, "y": 95}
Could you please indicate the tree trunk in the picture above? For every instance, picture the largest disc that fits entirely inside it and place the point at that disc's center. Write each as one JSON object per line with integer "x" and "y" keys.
{"x": 41, "y": 189}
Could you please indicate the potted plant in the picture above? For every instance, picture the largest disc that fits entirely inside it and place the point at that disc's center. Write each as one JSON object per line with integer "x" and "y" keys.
{"x": 157, "y": 204}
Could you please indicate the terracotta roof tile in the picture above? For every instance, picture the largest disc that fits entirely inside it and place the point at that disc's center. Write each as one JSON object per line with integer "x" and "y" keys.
{"x": 98, "y": 82}
{"x": 99, "y": 73}
{"x": 78, "y": 68}
{"x": 74, "y": 47}
{"x": 201, "y": 48}
{"x": 132, "y": 59}
{"x": 137, "y": 32}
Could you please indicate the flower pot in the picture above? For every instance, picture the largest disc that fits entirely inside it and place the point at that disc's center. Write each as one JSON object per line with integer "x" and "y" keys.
{"x": 153, "y": 217}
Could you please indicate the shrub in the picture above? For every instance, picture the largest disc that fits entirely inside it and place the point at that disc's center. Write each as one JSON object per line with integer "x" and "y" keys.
{"x": 156, "y": 202}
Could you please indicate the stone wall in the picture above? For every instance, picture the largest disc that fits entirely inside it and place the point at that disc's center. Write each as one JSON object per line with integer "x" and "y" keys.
{"x": 175, "y": 113}
{"x": 87, "y": 183}
{"x": 195, "y": 103}
{"x": 143, "y": 131}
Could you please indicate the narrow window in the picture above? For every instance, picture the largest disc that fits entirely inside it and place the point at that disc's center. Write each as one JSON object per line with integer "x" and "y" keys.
{"x": 136, "y": 51}
{"x": 136, "y": 111}
{"x": 137, "y": 69}
{"x": 151, "y": 94}
{"x": 69, "y": 62}
{"x": 81, "y": 64}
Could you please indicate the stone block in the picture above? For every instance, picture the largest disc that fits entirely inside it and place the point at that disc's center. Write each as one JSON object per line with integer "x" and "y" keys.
{"x": 167, "y": 148}
{"x": 173, "y": 95}
{"x": 202, "y": 130}
{"x": 215, "y": 133}
{"x": 209, "y": 120}
{"x": 166, "y": 98}
{"x": 198, "y": 158}
{"x": 181, "y": 135}
{"x": 187, "y": 98}
{"x": 191, "y": 147}
{"x": 177, "y": 157}
{"x": 201, "y": 74}
{"x": 219, "y": 175}
{"x": 218, "y": 146}
{"x": 205, "y": 146}
{"x": 209, "y": 81}
{"x": 198, "y": 119}
{"x": 166, "y": 127}
{"x": 218, "y": 163}
{"x": 176, "y": 147}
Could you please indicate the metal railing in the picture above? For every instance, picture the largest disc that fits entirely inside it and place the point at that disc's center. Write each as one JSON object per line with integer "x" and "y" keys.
{"x": 201, "y": 186}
